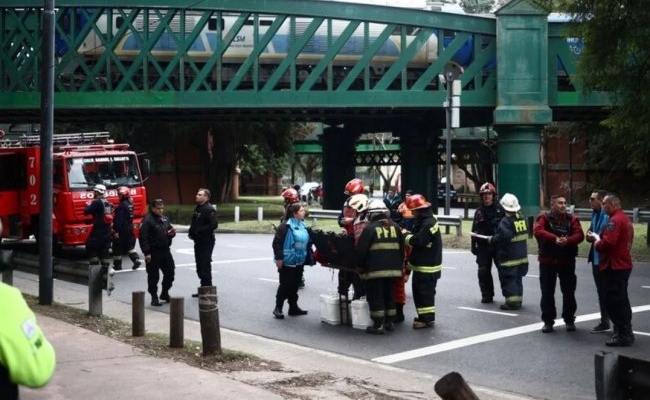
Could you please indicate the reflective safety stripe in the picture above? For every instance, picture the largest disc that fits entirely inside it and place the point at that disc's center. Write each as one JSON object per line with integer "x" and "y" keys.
{"x": 426, "y": 310}
{"x": 377, "y": 314}
{"x": 425, "y": 269}
{"x": 514, "y": 263}
{"x": 520, "y": 238}
{"x": 514, "y": 299}
{"x": 407, "y": 238}
{"x": 384, "y": 246}
{"x": 434, "y": 229}
{"x": 386, "y": 273}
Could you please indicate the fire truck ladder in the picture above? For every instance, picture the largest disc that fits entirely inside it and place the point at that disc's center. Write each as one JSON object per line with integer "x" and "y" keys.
{"x": 59, "y": 139}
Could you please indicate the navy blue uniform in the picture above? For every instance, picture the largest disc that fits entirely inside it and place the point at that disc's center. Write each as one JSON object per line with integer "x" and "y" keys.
{"x": 204, "y": 222}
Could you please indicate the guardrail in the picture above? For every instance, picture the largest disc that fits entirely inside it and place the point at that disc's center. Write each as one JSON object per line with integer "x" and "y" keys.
{"x": 621, "y": 377}
{"x": 80, "y": 272}
{"x": 326, "y": 214}
{"x": 636, "y": 215}
{"x": 455, "y": 221}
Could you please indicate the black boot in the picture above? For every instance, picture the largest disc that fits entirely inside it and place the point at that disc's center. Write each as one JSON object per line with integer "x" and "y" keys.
{"x": 399, "y": 317}
{"x": 154, "y": 301}
{"x": 377, "y": 327}
{"x": 117, "y": 264}
{"x": 296, "y": 311}
{"x": 136, "y": 260}
{"x": 622, "y": 337}
{"x": 165, "y": 296}
{"x": 277, "y": 313}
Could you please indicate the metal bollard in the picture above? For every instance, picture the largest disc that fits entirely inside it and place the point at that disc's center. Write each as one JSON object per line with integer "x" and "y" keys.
{"x": 209, "y": 320}
{"x": 137, "y": 313}
{"x": 176, "y": 321}
{"x": 95, "y": 289}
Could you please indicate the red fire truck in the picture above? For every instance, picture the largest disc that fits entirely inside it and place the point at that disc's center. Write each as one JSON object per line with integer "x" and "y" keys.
{"x": 80, "y": 161}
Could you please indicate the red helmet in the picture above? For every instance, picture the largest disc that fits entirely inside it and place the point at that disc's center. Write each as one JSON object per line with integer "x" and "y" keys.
{"x": 417, "y": 201}
{"x": 355, "y": 186}
{"x": 124, "y": 192}
{"x": 487, "y": 188}
{"x": 290, "y": 196}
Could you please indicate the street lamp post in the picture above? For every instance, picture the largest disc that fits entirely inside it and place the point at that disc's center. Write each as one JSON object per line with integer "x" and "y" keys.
{"x": 452, "y": 72}
{"x": 571, "y": 143}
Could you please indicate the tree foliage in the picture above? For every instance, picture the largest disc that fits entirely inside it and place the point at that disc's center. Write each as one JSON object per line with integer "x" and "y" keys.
{"x": 220, "y": 147}
{"x": 616, "y": 59}
{"x": 477, "y": 6}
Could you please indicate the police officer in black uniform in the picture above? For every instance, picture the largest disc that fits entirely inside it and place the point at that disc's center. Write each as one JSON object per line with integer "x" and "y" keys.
{"x": 123, "y": 235}
{"x": 156, "y": 234}
{"x": 204, "y": 223}
{"x": 486, "y": 219}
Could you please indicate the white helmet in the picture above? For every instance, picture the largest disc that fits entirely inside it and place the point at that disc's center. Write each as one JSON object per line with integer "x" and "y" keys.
{"x": 358, "y": 202}
{"x": 377, "y": 210}
{"x": 510, "y": 203}
{"x": 99, "y": 188}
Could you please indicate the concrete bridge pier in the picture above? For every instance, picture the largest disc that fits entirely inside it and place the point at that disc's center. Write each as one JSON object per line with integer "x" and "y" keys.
{"x": 419, "y": 145}
{"x": 518, "y": 170}
{"x": 339, "y": 146}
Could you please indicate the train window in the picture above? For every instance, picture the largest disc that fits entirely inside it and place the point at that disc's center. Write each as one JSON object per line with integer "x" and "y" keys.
{"x": 212, "y": 24}
{"x": 14, "y": 173}
{"x": 410, "y": 30}
{"x": 262, "y": 22}
{"x": 119, "y": 21}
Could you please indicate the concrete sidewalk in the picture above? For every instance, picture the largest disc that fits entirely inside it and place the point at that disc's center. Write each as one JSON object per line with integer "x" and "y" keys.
{"x": 90, "y": 365}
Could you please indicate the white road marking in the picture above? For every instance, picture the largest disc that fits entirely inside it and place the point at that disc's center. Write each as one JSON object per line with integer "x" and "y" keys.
{"x": 489, "y": 311}
{"x": 642, "y": 333}
{"x": 268, "y": 280}
{"x": 645, "y": 287}
{"x": 486, "y": 337}
{"x": 532, "y": 276}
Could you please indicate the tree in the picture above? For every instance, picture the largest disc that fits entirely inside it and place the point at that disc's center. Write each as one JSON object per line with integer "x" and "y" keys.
{"x": 221, "y": 147}
{"x": 477, "y": 6}
{"x": 616, "y": 59}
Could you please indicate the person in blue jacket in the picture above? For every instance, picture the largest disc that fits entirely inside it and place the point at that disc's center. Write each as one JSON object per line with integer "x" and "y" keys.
{"x": 291, "y": 245}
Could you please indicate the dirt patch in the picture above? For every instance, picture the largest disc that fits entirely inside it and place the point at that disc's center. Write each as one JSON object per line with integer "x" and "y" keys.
{"x": 243, "y": 367}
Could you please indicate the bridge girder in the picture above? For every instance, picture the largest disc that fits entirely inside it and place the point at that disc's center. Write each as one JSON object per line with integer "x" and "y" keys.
{"x": 104, "y": 81}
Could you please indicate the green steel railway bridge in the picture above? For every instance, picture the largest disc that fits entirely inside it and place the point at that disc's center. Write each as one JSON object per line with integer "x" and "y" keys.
{"x": 356, "y": 68}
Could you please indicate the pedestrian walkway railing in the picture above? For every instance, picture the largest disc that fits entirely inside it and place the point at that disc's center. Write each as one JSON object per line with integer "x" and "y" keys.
{"x": 636, "y": 215}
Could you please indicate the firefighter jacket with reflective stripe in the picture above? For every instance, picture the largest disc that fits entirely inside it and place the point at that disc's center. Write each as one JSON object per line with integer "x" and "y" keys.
{"x": 511, "y": 240}
{"x": 425, "y": 242}
{"x": 379, "y": 250}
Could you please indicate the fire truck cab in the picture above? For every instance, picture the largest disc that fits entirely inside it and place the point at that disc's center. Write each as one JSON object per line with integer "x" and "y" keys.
{"x": 80, "y": 161}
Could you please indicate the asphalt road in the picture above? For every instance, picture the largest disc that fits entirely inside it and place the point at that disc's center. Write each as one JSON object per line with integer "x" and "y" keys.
{"x": 502, "y": 350}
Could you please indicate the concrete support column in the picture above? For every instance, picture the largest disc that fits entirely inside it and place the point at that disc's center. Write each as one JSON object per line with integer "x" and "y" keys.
{"x": 522, "y": 99}
{"x": 339, "y": 146}
{"x": 519, "y": 169}
{"x": 419, "y": 160}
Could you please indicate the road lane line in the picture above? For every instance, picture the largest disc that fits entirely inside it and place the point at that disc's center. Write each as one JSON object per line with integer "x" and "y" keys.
{"x": 642, "y": 333}
{"x": 489, "y": 311}
{"x": 645, "y": 287}
{"x": 486, "y": 337}
{"x": 268, "y": 280}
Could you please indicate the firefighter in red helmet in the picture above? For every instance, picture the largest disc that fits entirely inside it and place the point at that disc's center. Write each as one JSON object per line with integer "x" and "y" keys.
{"x": 425, "y": 260}
{"x": 486, "y": 219}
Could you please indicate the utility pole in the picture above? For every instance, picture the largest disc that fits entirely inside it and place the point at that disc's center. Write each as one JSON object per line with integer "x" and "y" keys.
{"x": 452, "y": 72}
{"x": 46, "y": 281}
